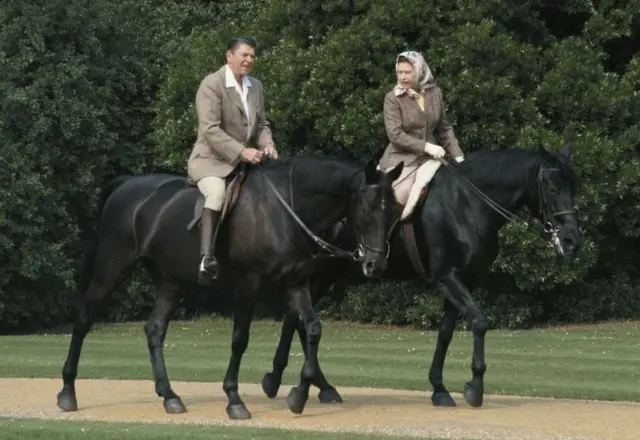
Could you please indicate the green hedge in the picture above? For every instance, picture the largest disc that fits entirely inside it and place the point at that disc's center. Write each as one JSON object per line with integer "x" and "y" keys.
{"x": 93, "y": 89}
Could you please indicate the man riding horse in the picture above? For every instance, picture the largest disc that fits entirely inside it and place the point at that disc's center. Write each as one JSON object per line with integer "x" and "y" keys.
{"x": 232, "y": 128}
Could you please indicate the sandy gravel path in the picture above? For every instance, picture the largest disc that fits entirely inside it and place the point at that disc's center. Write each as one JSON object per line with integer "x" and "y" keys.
{"x": 364, "y": 410}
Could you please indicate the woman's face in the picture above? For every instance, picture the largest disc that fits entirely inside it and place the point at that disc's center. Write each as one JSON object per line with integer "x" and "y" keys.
{"x": 406, "y": 75}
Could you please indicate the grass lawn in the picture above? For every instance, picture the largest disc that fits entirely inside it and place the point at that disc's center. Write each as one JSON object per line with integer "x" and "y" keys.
{"x": 588, "y": 362}
{"x": 64, "y": 430}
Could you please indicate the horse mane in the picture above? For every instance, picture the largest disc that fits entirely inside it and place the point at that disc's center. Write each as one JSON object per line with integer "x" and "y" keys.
{"x": 318, "y": 171}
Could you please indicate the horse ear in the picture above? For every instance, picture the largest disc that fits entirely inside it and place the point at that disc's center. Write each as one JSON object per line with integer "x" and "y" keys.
{"x": 396, "y": 171}
{"x": 371, "y": 172}
{"x": 566, "y": 150}
{"x": 378, "y": 155}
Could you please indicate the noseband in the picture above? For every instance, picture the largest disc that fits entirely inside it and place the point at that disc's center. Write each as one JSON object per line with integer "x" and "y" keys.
{"x": 359, "y": 252}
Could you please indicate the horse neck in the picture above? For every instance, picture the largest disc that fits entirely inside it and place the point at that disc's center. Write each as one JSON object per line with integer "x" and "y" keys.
{"x": 323, "y": 190}
{"x": 508, "y": 177}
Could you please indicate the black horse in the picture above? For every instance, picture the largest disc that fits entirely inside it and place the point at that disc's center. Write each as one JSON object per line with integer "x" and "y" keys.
{"x": 456, "y": 231}
{"x": 263, "y": 243}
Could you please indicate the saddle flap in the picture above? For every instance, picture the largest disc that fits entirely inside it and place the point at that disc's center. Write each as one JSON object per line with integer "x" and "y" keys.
{"x": 411, "y": 246}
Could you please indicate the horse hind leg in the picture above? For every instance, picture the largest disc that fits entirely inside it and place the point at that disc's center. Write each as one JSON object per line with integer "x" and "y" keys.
{"x": 156, "y": 331}
{"x": 109, "y": 267}
{"x": 242, "y": 316}
{"x": 299, "y": 394}
{"x": 271, "y": 381}
{"x": 319, "y": 287}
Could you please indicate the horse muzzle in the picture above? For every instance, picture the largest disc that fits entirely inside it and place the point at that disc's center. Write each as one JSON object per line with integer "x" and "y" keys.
{"x": 373, "y": 269}
{"x": 374, "y": 260}
{"x": 566, "y": 241}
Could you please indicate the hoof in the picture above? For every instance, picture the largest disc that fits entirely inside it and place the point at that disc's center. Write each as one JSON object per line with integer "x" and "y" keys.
{"x": 270, "y": 385}
{"x": 442, "y": 398}
{"x": 67, "y": 401}
{"x": 297, "y": 400}
{"x": 174, "y": 406}
{"x": 238, "y": 412}
{"x": 473, "y": 395}
{"x": 329, "y": 395}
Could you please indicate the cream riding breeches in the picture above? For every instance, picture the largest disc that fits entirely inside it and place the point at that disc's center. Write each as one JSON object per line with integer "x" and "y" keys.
{"x": 403, "y": 184}
{"x": 213, "y": 189}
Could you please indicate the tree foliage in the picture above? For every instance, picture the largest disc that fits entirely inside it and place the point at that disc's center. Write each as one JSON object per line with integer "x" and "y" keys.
{"x": 78, "y": 82}
{"x": 512, "y": 73}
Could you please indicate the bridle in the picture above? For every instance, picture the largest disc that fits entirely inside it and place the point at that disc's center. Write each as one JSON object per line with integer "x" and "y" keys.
{"x": 549, "y": 223}
{"x": 360, "y": 249}
{"x": 331, "y": 250}
{"x": 547, "y": 216}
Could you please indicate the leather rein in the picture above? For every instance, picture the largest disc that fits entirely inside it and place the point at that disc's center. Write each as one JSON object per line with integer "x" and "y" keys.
{"x": 331, "y": 250}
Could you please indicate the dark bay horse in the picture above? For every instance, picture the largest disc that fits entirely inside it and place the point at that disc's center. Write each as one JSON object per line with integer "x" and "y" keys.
{"x": 262, "y": 245}
{"x": 456, "y": 231}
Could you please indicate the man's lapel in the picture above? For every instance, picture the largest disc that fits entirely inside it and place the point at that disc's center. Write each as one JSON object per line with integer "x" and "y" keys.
{"x": 232, "y": 93}
{"x": 252, "y": 100}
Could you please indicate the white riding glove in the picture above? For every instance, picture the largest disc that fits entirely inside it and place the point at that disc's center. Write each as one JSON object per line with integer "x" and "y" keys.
{"x": 459, "y": 158}
{"x": 436, "y": 151}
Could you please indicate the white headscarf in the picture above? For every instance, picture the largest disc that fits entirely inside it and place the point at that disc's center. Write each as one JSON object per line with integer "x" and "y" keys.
{"x": 423, "y": 73}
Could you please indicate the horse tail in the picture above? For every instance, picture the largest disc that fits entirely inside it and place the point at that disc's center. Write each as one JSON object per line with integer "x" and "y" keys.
{"x": 87, "y": 271}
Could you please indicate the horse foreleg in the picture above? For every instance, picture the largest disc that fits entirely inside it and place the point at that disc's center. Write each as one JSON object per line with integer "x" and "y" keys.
{"x": 156, "y": 331}
{"x": 301, "y": 300}
{"x": 461, "y": 297}
{"x": 242, "y": 315}
{"x": 327, "y": 394}
{"x": 441, "y": 396}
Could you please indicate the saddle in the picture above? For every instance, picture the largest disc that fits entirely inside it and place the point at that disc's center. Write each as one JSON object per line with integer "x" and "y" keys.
{"x": 233, "y": 185}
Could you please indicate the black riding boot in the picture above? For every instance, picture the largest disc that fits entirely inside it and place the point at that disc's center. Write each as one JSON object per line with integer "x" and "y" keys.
{"x": 209, "y": 265}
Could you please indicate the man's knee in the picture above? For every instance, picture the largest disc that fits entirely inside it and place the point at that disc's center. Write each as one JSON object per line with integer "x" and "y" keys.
{"x": 213, "y": 188}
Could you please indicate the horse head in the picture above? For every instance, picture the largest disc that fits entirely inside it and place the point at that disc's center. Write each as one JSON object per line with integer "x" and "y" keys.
{"x": 556, "y": 187}
{"x": 372, "y": 215}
